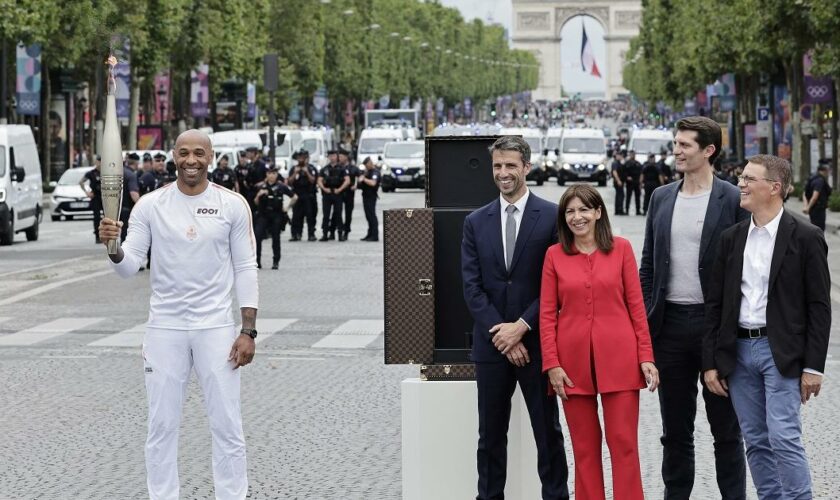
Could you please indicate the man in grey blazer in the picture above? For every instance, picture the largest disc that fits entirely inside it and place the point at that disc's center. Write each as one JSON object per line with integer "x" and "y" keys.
{"x": 684, "y": 223}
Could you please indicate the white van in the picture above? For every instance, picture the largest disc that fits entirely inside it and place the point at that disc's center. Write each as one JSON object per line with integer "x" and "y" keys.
{"x": 243, "y": 139}
{"x": 317, "y": 142}
{"x": 534, "y": 138}
{"x": 646, "y": 142}
{"x": 583, "y": 156}
{"x": 20, "y": 184}
{"x": 372, "y": 142}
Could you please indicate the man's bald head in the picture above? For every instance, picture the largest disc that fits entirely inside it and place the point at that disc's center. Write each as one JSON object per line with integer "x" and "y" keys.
{"x": 194, "y": 136}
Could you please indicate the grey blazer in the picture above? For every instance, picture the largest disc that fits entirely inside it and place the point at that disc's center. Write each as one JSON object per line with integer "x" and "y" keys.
{"x": 723, "y": 211}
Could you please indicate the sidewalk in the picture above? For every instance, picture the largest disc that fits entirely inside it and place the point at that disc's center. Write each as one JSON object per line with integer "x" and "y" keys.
{"x": 832, "y": 219}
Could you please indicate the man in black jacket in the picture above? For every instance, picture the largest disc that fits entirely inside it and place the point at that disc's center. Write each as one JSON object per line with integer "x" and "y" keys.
{"x": 683, "y": 227}
{"x": 632, "y": 181}
{"x": 768, "y": 317}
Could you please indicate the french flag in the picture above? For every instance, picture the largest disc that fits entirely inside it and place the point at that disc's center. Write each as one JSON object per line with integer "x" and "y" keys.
{"x": 587, "y": 56}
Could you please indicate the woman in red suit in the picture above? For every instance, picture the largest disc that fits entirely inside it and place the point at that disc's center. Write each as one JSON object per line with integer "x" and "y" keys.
{"x": 595, "y": 340}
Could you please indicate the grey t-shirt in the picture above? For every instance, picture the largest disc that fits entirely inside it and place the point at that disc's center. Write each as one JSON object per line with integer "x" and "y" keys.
{"x": 686, "y": 231}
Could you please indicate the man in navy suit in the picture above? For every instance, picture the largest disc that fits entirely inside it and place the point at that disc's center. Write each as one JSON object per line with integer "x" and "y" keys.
{"x": 502, "y": 258}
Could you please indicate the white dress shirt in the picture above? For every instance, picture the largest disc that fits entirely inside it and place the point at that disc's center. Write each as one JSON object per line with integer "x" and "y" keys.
{"x": 517, "y": 216}
{"x": 755, "y": 274}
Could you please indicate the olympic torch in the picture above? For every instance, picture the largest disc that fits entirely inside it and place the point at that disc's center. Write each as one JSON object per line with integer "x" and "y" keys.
{"x": 112, "y": 163}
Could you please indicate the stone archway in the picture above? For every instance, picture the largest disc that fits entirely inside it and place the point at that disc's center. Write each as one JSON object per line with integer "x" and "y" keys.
{"x": 537, "y": 25}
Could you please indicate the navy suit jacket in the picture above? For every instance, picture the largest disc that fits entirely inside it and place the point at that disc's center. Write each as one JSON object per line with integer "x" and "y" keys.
{"x": 492, "y": 293}
{"x": 723, "y": 211}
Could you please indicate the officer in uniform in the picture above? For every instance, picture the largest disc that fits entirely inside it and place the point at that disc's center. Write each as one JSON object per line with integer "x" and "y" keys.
{"x": 256, "y": 173}
{"x": 242, "y": 170}
{"x": 151, "y": 180}
{"x": 170, "y": 173}
{"x": 349, "y": 195}
{"x": 369, "y": 185}
{"x": 269, "y": 203}
{"x": 332, "y": 180}
{"x": 224, "y": 175}
{"x": 302, "y": 178}
{"x": 132, "y": 161}
{"x": 93, "y": 178}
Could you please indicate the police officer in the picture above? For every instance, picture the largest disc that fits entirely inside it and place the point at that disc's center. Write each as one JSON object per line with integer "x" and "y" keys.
{"x": 224, "y": 175}
{"x": 93, "y": 178}
{"x": 651, "y": 177}
{"x": 302, "y": 178}
{"x": 241, "y": 171}
{"x": 170, "y": 173}
{"x": 632, "y": 182}
{"x": 349, "y": 195}
{"x": 617, "y": 173}
{"x": 132, "y": 161}
{"x": 369, "y": 185}
{"x": 269, "y": 203}
{"x": 332, "y": 180}
{"x": 256, "y": 173}
{"x": 152, "y": 179}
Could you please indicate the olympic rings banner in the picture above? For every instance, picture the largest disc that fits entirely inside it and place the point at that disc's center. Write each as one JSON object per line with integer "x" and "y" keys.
{"x": 28, "y": 85}
{"x": 818, "y": 89}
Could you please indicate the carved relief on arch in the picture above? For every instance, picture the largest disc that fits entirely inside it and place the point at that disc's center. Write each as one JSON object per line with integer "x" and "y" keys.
{"x": 563, "y": 14}
{"x": 533, "y": 21}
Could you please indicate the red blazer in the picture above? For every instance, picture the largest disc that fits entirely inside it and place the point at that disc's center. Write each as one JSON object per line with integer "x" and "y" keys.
{"x": 592, "y": 312}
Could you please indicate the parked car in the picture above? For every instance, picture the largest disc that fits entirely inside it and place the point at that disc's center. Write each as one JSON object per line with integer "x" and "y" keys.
{"x": 20, "y": 183}
{"x": 69, "y": 200}
{"x": 403, "y": 165}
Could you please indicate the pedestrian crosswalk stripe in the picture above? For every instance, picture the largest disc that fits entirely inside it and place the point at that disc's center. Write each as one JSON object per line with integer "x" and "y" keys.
{"x": 266, "y": 327}
{"x": 46, "y": 331}
{"x": 133, "y": 337}
{"x": 352, "y": 334}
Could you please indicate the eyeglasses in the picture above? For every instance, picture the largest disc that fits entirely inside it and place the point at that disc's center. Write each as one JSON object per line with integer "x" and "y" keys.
{"x": 747, "y": 180}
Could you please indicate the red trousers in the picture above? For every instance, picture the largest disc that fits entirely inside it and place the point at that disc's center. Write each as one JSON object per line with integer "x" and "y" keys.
{"x": 621, "y": 425}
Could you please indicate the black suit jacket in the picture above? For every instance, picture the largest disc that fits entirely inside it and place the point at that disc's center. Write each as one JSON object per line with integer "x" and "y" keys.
{"x": 798, "y": 301}
{"x": 492, "y": 293}
{"x": 724, "y": 210}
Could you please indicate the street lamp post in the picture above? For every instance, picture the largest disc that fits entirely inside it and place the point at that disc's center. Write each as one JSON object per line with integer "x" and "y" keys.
{"x": 82, "y": 105}
{"x": 161, "y": 93}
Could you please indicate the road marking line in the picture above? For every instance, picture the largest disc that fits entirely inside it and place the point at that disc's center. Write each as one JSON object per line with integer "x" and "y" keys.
{"x": 36, "y": 268}
{"x": 267, "y": 327}
{"x": 52, "y": 286}
{"x": 133, "y": 337}
{"x": 296, "y": 359}
{"x": 46, "y": 331}
{"x": 352, "y": 334}
{"x": 70, "y": 357}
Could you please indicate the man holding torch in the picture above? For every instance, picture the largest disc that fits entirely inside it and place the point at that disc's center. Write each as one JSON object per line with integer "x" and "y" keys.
{"x": 204, "y": 247}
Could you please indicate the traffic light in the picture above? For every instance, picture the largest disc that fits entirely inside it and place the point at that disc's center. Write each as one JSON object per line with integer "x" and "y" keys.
{"x": 493, "y": 110}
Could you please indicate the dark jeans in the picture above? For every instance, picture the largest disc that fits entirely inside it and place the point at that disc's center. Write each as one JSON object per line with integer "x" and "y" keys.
{"x": 633, "y": 188}
{"x": 817, "y": 216}
{"x": 649, "y": 187}
{"x": 305, "y": 208}
{"x": 369, "y": 202}
{"x": 619, "y": 199}
{"x": 268, "y": 225}
{"x": 496, "y": 384}
{"x": 677, "y": 349}
{"x": 96, "y": 207}
{"x": 331, "y": 219}
{"x": 349, "y": 198}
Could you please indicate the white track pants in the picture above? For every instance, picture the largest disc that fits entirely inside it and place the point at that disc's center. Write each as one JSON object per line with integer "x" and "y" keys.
{"x": 169, "y": 356}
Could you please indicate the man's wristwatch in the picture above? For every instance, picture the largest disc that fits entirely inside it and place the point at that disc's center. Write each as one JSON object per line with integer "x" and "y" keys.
{"x": 251, "y": 332}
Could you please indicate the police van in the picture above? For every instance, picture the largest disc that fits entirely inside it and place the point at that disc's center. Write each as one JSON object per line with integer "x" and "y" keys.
{"x": 647, "y": 142}
{"x": 583, "y": 156}
{"x": 20, "y": 184}
{"x": 372, "y": 142}
{"x": 534, "y": 138}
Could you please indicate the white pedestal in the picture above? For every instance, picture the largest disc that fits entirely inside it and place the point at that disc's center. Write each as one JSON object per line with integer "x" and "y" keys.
{"x": 439, "y": 440}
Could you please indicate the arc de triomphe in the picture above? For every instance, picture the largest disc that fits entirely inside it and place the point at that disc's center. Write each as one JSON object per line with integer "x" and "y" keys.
{"x": 537, "y": 25}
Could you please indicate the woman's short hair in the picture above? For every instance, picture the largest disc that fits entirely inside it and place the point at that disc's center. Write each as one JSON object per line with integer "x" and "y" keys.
{"x": 591, "y": 198}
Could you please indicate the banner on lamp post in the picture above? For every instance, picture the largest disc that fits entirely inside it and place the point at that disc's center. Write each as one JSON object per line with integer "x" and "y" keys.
{"x": 28, "y": 85}
{"x": 122, "y": 74}
{"x": 251, "y": 98}
{"x": 200, "y": 91}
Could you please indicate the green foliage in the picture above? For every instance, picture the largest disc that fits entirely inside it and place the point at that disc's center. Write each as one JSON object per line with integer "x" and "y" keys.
{"x": 359, "y": 49}
{"x": 834, "y": 202}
